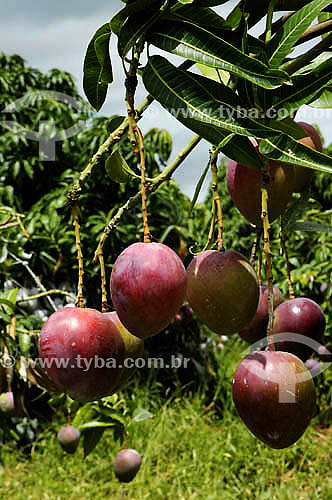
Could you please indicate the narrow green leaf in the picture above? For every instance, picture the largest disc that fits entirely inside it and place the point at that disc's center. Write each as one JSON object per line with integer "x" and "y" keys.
{"x": 239, "y": 148}
{"x": 209, "y": 3}
{"x": 284, "y": 40}
{"x": 96, "y": 424}
{"x": 199, "y": 187}
{"x": 305, "y": 88}
{"x": 204, "y": 174}
{"x": 324, "y": 100}
{"x": 187, "y": 95}
{"x": 9, "y": 307}
{"x": 102, "y": 51}
{"x": 114, "y": 122}
{"x": 324, "y": 16}
{"x": 91, "y": 438}
{"x": 199, "y": 45}
{"x": 94, "y": 71}
{"x": 286, "y": 149}
{"x": 314, "y": 63}
{"x": 133, "y": 8}
{"x": 192, "y": 99}
{"x": 85, "y": 414}
{"x": 134, "y": 27}
{"x": 141, "y": 414}
{"x": 235, "y": 16}
{"x": 203, "y": 16}
{"x": 5, "y": 317}
{"x": 289, "y": 127}
{"x": 218, "y": 75}
{"x": 118, "y": 169}
{"x": 294, "y": 212}
{"x": 11, "y": 295}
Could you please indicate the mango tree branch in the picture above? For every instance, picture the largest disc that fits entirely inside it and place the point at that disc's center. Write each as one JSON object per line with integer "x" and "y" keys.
{"x": 104, "y": 306}
{"x": 304, "y": 59}
{"x": 112, "y": 139}
{"x": 289, "y": 274}
{"x": 45, "y": 294}
{"x": 316, "y": 30}
{"x": 268, "y": 31}
{"x": 217, "y": 203}
{"x": 80, "y": 298}
{"x": 267, "y": 249}
{"x": 152, "y": 186}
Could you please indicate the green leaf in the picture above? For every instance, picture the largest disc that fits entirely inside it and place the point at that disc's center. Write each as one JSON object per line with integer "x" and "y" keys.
{"x": 305, "y": 88}
{"x": 120, "y": 17}
{"x": 9, "y": 307}
{"x": 187, "y": 95}
{"x": 91, "y": 438}
{"x": 314, "y": 63}
{"x": 102, "y": 51}
{"x": 235, "y": 16}
{"x": 134, "y": 28}
{"x": 199, "y": 187}
{"x": 209, "y": 3}
{"x": 96, "y": 424}
{"x": 218, "y": 75}
{"x": 285, "y": 38}
{"x": 97, "y": 68}
{"x": 11, "y": 295}
{"x": 324, "y": 100}
{"x": 239, "y": 148}
{"x": 118, "y": 169}
{"x": 85, "y": 414}
{"x": 3, "y": 254}
{"x": 289, "y": 127}
{"x": 202, "y": 178}
{"x": 5, "y": 317}
{"x": 286, "y": 149}
{"x": 141, "y": 414}
{"x": 191, "y": 99}
{"x": 294, "y": 211}
{"x": 311, "y": 226}
{"x": 324, "y": 16}
{"x": 203, "y": 16}
{"x": 201, "y": 46}
{"x": 114, "y": 122}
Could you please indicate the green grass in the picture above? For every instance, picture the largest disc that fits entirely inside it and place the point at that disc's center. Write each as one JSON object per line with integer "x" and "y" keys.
{"x": 187, "y": 454}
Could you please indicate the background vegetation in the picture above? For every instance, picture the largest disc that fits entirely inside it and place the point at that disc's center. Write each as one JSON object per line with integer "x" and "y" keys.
{"x": 193, "y": 446}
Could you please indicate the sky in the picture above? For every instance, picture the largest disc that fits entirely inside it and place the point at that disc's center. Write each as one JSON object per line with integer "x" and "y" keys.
{"x": 56, "y": 34}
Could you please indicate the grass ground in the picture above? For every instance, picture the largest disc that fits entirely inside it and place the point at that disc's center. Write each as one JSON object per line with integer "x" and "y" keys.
{"x": 187, "y": 454}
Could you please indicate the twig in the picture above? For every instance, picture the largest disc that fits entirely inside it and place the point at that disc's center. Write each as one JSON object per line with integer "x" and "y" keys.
{"x": 267, "y": 250}
{"x": 45, "y": 294}
{"x": 216, "y": 203}
{"x": 270, "y": 10}
{"x": 153, "y": 186}
{"x": 147, "y": 236}
{"x": 35, "y": 278}
{"x": 80, "y": 298}
{"x": 104, "y": 305}
{"x": 316, "y": 30}
{"x": 289, "y": 277}
{"x": 304, "y": 59}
